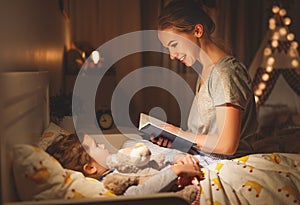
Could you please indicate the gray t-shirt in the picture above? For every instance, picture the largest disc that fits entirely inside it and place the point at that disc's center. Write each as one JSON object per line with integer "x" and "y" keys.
{"x": 227, "y": 82}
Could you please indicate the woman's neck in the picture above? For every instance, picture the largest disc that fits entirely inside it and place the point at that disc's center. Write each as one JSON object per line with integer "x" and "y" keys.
{"x": 212, "y": 50}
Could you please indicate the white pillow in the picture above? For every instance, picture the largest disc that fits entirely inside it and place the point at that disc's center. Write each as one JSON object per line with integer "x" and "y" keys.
{"x": 39, "y": 176}
{"x": 50, "y": 134}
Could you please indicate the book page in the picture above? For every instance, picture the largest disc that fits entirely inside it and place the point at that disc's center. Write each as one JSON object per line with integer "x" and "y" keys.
{"x": 146, "y": 119}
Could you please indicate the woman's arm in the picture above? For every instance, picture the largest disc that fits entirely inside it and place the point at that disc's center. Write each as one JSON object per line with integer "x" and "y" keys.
{"x": 226, "y": 141}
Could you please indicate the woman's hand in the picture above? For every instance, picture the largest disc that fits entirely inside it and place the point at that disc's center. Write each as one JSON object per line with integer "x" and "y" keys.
{"x": 161, "y": 141}
{"x": 164, "y": 142}
{"x": 188, "y": 170}
{"x": 186, "y": 159}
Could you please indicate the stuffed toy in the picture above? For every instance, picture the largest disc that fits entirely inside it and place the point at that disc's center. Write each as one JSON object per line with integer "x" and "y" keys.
{"x": 136, "y": 159}
{"x": 117, "y": 183}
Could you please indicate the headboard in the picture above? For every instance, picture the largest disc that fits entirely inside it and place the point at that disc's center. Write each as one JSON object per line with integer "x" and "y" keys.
{"x": 24, "y": 115}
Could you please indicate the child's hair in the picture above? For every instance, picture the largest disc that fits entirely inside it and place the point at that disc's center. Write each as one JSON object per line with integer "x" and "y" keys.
{"x": 69, "y": 151}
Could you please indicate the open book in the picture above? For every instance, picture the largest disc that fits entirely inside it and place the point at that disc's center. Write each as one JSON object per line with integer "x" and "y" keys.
{"x": 151, "y": 126}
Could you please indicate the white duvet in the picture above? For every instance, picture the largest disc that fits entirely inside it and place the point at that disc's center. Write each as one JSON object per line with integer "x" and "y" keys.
{"x": 254, "y": 179}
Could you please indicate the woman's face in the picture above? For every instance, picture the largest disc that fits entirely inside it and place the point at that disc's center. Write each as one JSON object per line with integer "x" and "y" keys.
{"x": 182, "y": 46}
{"x": 96, "y": 151}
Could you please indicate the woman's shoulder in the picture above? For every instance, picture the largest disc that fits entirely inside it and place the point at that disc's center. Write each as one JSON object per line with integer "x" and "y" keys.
{"x": 230, "y": 65}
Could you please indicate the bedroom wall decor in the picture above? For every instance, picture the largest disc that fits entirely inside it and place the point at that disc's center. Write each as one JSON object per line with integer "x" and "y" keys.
{"x": 279, "y": 53}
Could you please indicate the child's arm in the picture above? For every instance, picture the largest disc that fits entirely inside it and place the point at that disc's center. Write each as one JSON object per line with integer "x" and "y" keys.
{"x": 164, "y": 179}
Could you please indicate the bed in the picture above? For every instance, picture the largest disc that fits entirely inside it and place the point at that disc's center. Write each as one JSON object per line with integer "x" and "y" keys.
{"x": 268, "y": 177}
{"x": 25, "y": 116}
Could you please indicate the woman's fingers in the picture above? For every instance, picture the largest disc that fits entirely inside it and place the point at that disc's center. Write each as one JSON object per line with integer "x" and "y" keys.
{"x": 161, "y": 141}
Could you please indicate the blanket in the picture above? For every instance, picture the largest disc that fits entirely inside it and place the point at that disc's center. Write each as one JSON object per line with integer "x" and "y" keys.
{"x": 255, "y": 179}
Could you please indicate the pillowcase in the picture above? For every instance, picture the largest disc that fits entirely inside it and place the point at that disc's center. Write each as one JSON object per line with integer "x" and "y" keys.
{"x": 50, "y": 134}
{"x": 39, "y": 176}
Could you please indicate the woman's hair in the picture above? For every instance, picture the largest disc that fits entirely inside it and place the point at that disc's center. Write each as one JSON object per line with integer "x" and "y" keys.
{"x": 183, "y": 15}
{"x": 69, "y": 151}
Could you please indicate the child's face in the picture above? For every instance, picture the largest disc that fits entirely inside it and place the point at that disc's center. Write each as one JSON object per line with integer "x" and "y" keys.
{"x": 96, "y": 151}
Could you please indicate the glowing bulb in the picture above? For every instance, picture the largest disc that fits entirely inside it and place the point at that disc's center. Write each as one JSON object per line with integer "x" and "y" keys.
{"x": 272, "y": 21}
{"x": 258, "y": 92}
{"x": 267, "y": 51}
{"x": 282, "y": 31}
{"x": 265, "y": 77}
{"x": 295, "y": 63}
{"x": 276, "y": 35}
{"x": 262, "y": 86}
{"x": 269, "y": 69}
{"x": 274, "y": 43}
{"x": 95, "y": 56}
{"x": 256, "y": 99}
{"x": 282, "y": 12}
{"x": 294, "y": 45}
{"x": 292, "y": 52}
{"x": 287, "y": 21}
{"x": 275, "y": 9}
{"x": 270, "y": 60}
{"x": 83, "y": 55}
{"x": 290, "y": 36}
{"x": 272, "y": 26}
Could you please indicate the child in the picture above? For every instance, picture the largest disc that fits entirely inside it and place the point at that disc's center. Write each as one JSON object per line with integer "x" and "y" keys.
{"x": 72, "y": 154}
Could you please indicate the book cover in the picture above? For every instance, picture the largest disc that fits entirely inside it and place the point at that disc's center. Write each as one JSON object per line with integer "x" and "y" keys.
{"x": 151, "y": 126}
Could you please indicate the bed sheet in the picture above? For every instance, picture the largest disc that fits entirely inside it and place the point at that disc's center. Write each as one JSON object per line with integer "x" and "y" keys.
{"x": 254, "y": 179}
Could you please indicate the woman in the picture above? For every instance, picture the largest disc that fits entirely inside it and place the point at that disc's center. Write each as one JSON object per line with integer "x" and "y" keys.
{"x": 223, "y": 114}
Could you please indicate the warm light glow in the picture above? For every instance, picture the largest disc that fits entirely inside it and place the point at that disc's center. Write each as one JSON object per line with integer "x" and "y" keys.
{"x": 295, "y": 63}
{"x": 275, "y": 43}
{"x": 256, "y": 99}
{"x": 294, "y": 45}
{"x": 282, "y": 12}
{"x": 275, "y": 9}
{"x": 270, "y": 60}
{"x": 282, "y": 31}
{"x": 265, "y": 77}
{"x": 83, "y": 55}
{"x": 290, "y": 37}
{"x": 287, "y": 21}
{"x": 267, "y": 51}
{"x": 269, "y": 69}
{"x": 262, "y": 86}
{"x": 272, "y": 26}
{"x": 95, "y": 57}
{"x": 292, "y": 52}
{"x": 276, "y": 35}
{"x": 272, "y": 21}
{"x": 258, "y": 92}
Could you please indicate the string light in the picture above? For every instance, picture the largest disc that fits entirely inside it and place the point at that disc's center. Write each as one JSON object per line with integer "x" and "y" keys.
{"x": 282, "y": 31}
{"x": 282, "y": 12}
{"x": 275, "y": 9}
{"x": 265, "y": 77}
{"x": 269, "y": 69}
{"x": 290, "y": 37}
{"x": 262, "y": 86}
{"x": 267, "y": 51}
{"x": 280, "y": 39}
{"x": 287, "y": 21}
{"x": 270, "y": 60}
{"x": 295, "y": 63}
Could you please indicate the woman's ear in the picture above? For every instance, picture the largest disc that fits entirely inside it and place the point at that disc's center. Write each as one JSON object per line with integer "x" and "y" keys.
{"x": 89, "y": 169}
{"x": 198, "y": 30}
